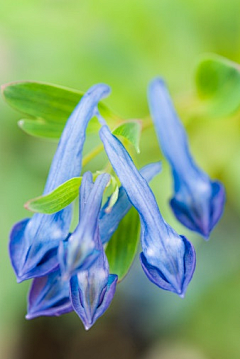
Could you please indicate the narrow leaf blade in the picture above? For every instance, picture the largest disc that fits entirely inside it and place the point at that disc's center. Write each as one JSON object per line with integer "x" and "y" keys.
{"x": 56, "y": 200}
{"x": 122, "y": 247}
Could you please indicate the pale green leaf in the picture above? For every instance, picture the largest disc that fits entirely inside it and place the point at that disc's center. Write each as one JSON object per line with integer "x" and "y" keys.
{"x": 56, "y": 200}
{"x": 114, "y": 195}
{"x": 130, "y": 130}
{"x": 218, "y": 84}
{"x": 47, "y": 107}
{"x": 41, "y": 128}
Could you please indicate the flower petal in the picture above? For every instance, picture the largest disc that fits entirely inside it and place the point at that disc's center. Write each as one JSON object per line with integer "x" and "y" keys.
{"x": 92, "y": 288}
{"x": 163, "y": 248}
{"x": 83, "y": 247}
{"x": 49, "y": 296}
{"x": 108, "y": 222}
{"x": 158, "y": 278}
{"x": 197, "y": 203}
{"x": 91, "y": 293}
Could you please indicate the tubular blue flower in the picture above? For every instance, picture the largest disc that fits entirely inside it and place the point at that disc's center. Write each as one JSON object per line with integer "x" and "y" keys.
{"x": 49, "y": 296}
{"x": 34, "y": 242}
{"x": 92, "y": 289}
{"x": 198, "y": 202}
{"x": 167, "y": 258}
{"x": 81, "y": 249}
{"x": 108, "y": 222}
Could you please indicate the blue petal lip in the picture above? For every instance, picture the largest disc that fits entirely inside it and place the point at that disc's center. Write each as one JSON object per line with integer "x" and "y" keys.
{"x": 49, "y": 296}
{"x": 106, "y": 299}
{"x": 188, "y": 218}
{"x": 19, "y": 255}
{"x": 50, "y": 312}
{"x": 155, "y": 275}
{"x": 104, "y": 302}
{"x": 198, "y": 202}
{"x": 16, "y": 248}
{"x": 218, "y": 202}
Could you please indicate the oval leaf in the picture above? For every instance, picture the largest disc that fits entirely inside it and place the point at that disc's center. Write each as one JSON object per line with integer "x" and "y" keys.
{"x": 56, "y": 200}
{"x": 218, "y": 83}
{"x": 130, "y": 130}
{"x": 122, "y": 248}
{"x": 47, "y": 104}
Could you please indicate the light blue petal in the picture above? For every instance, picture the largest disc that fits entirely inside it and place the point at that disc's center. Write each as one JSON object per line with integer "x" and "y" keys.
{"x": 91, "y": 288}
{"x": 42, "y": 234}
{"x": 49, "y": 296}
{"x": 92, "y": 291}
{"x": 197, "y": 203}
{"x": 108, "y": 222}
{"x": 83, "y": 246}
{"x": 163, "y": 248}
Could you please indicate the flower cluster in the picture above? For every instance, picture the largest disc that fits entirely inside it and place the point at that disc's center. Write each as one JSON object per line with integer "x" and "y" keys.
{"x": 70, "y": 271}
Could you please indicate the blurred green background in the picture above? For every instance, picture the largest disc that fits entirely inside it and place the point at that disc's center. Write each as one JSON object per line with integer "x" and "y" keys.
{"x": 125, "y": 44}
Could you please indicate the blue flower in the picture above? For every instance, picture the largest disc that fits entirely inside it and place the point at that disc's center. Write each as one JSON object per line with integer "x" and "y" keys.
{"x": 167, "y": 258}
{"x": 49, "y": 296}
{"x": 91, "y": 286}
{"x": 198, "y": 202}
{"x": 108, "y": 222}
{"x": 34, "y": 242}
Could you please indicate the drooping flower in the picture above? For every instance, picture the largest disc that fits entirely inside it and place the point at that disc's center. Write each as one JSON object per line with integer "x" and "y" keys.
{"x": 91, "y": 289}
{"x": 108, "y": 222}
{"x": 198, "y": 202}
{"x": 49, "y": 296}
{"x": 167, "y": 258}
{"x": 34, "y": 242}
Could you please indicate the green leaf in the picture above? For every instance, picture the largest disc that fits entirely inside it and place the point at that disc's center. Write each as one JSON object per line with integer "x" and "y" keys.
{"x": 114, "y": 196}
{"x": 122, "y": 248}
{"x": 130, "y": 130}
{"x": 218, "y": 84}
{"x": 41, "y": 128}
{"x": 56, "y": 200}
{"x": 47, "y": 107}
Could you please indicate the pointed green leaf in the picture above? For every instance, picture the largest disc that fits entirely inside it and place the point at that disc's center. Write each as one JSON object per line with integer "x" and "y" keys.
{"x": 47, "y": 107}
{"x": 114, "y": 195}
{"x": 218, "y": 84}
{"x": 122, "y": 248}
{"x": 56, "y": 200}
{"x": 130, "y": 130}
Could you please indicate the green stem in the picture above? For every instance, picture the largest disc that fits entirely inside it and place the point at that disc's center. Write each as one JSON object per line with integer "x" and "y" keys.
{"x": 86, "y": 159}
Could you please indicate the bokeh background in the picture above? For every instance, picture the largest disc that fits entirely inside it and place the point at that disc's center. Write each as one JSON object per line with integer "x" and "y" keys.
{"x": 125, "y": 44}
